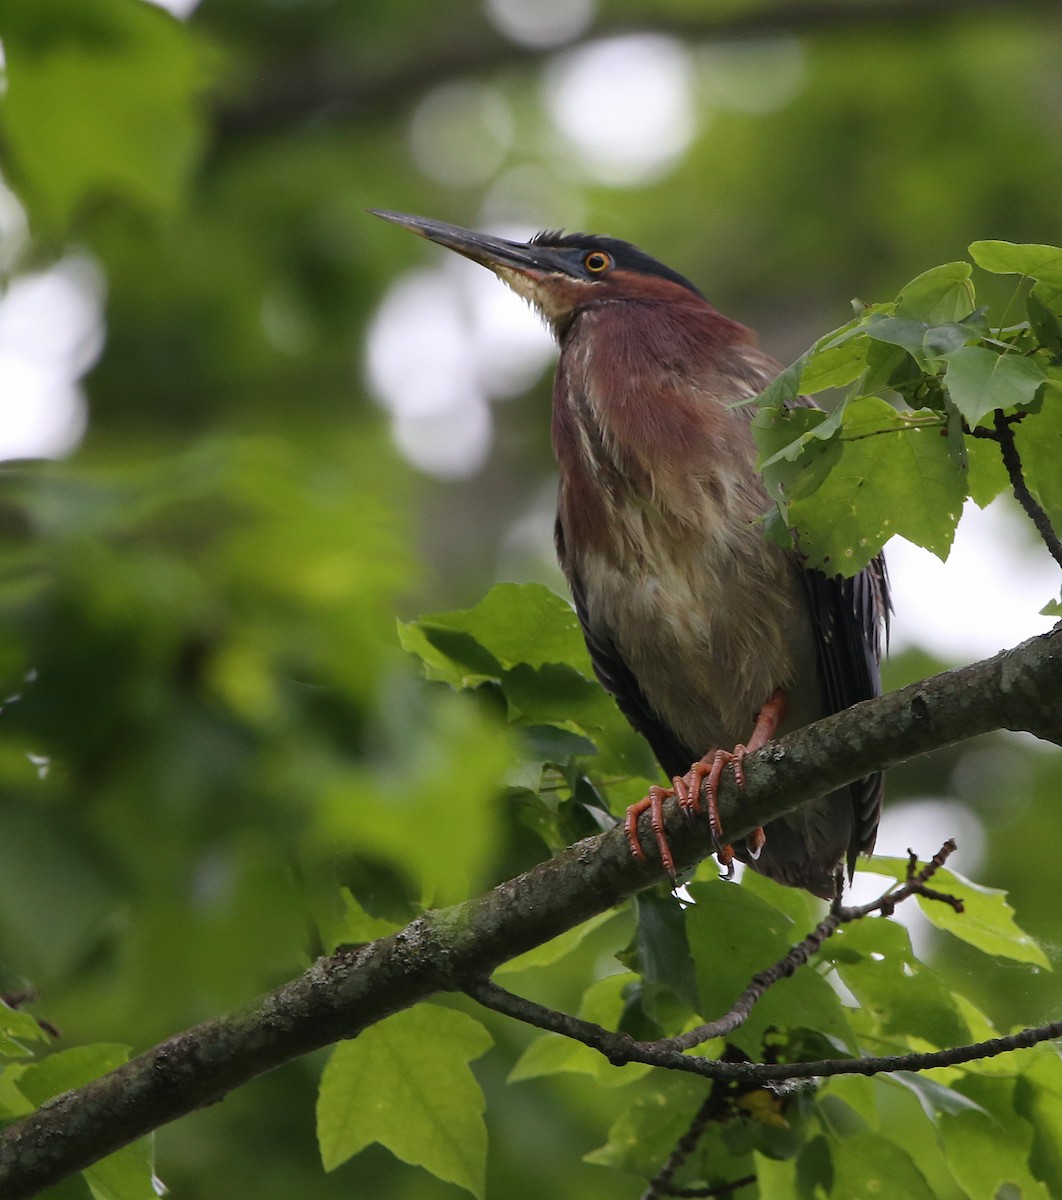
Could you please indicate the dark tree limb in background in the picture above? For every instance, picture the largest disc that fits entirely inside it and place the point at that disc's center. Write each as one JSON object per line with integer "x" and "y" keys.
{"x": 316, "y": 85}
{"x": 450, "y": 949}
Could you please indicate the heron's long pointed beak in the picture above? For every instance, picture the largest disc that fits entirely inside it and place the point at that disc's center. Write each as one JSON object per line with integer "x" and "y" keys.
{"x": 492, "y": 252}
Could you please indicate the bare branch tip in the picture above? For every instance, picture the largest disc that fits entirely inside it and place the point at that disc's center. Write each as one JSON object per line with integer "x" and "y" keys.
{"x": 943, "y": 897}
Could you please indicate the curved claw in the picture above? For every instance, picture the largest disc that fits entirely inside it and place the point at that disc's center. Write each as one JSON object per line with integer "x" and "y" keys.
{"x": 755, "y": 842}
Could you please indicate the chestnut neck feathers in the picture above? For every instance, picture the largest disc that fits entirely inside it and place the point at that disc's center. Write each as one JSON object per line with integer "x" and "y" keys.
{"x": 640, "y": 414}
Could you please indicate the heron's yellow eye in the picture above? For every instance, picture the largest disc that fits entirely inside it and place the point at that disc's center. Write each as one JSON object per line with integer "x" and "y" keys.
{"x": 597, "y": 261}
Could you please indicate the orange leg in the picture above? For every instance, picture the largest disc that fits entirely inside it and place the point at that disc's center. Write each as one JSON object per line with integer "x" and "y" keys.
{"x": 705, "y": 775}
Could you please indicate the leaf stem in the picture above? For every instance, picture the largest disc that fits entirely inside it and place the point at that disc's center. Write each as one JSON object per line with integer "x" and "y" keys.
{"x": 1010, "y": 304}
{"x": 908, "y": 423}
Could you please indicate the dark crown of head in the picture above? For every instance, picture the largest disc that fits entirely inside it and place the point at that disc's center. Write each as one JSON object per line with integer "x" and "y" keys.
{"x": 624, "y": 255}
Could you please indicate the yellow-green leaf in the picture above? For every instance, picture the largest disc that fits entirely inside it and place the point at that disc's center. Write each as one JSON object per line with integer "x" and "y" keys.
{"x": 980, "y": 380}
{"x": 406, "y": 1084}
{"x": 938, "y": 295}
{"x": 868, "y": 1165}
{"x": 891, "y": 478}
{"x": 733, "y": 934}
{"x": 987, "y": 920}
{"x": 102, "y": 108}
{"x": 556, "y": 948}
{"x": 68, "y": 1069}
{"x": 1039, "y": 441}
{"x": 1015, "y": 258}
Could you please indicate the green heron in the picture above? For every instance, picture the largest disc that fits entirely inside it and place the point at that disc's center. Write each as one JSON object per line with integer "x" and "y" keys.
{"x": 700, "y": 627}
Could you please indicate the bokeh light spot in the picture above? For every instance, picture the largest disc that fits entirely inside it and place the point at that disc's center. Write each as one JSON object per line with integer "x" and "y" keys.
{"x": 51, "y": 332}
{"x": 14, "y": 228}
{"x": 985, "y": 598}
{"x": 540, "y": 22}
{"x": 451, "y": 444}
{"x": 626, "y": 105}
{"x": 443, "y": 343}
{"x": 461, "y": 132}
{"x": 179, "y": 8}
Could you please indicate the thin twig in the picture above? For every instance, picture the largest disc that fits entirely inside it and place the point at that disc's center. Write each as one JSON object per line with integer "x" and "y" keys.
{"x": 1012, "y": 461}
{"x": 803, "y": 950}
{"x": 742, "y": 1008}
{"x": 708, "y": 1111}
{"x": 719, "y": 1189}
{"x": 720, "y": 1099}
{"x": 716, "y": 1105}
{"x": 743, "y": 1075}
{"x": 621, "y": 1049}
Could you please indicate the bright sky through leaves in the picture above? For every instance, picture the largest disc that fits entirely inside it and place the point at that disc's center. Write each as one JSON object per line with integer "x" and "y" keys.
{"x": 51, "y": 332}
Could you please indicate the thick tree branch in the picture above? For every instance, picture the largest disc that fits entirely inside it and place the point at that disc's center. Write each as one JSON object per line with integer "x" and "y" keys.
{"x": 450, "y": 949}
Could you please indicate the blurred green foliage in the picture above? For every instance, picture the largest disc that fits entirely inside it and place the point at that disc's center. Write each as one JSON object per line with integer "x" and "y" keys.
{"x": 847, "y": 480}
{"x": 216, "y": 760}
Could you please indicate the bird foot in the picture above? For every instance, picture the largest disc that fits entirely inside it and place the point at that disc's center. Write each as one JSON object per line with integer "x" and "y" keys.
{"x": 703, "y": 778}
{"x": 655, "y": 803}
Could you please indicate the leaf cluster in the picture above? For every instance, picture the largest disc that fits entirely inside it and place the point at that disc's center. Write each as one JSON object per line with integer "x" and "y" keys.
{"x": 522, "y": 650}
{"x": 909, "y": 440}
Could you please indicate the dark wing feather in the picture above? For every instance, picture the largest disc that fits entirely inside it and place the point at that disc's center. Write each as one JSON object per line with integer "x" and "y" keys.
{"x": 850, "y": 617}
{"x": 616, "y": 678}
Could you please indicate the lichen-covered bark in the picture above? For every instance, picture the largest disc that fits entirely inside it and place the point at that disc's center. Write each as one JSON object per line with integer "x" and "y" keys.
{"x": 343, "y": 994}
